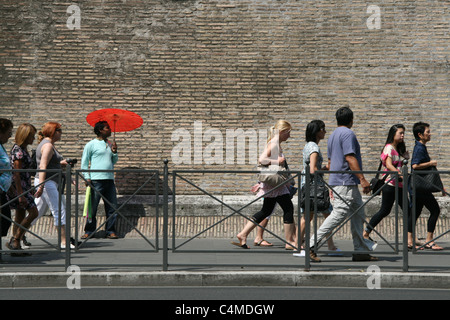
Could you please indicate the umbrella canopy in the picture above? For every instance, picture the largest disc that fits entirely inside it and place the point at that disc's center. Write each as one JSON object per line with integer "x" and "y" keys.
{"x": 119, "y": 120}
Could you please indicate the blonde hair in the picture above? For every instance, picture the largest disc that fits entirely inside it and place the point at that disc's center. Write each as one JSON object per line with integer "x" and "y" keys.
{"x": 23, "y": 132}
{"x": 281, "y": 125}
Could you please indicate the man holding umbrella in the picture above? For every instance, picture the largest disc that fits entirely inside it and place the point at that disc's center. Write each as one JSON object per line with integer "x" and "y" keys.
{"x": 100, "y": 154}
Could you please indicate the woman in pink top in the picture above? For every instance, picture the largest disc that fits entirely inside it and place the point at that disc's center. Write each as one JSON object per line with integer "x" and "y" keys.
{"x": 392, "y": 159}
{"x": 273, "y": 154}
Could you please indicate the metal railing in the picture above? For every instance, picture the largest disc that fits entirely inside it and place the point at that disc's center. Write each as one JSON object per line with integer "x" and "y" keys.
{"x": 82, "y": 246}
{"x": 313, "y": 209}
{"x": 51, "y": 173}
{"x": 173, "y": 245}
{"x": 181, "y": 174}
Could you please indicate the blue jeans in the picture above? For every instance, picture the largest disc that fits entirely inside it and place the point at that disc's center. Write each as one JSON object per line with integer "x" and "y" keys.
{"x": 108, "y": 190}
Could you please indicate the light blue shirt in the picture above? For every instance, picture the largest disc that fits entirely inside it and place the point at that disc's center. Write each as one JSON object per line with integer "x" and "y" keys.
{"x": 5, "y": 163}
{"x": 97, "y": 155}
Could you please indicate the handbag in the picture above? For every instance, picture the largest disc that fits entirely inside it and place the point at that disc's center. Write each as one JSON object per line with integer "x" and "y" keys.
{"x": 377, "y": 183}
{"x": 321, "y": 198}
{"x": 274, "y": 175}
{"x": 428, "y": 182}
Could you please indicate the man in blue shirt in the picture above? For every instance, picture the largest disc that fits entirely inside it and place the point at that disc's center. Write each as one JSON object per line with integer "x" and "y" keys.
{"x": 344, "y": 154}
{"x": 100, "y": 154}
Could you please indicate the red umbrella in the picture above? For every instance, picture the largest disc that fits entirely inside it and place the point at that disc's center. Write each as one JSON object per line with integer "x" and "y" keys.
{"x": 119, "y": 120}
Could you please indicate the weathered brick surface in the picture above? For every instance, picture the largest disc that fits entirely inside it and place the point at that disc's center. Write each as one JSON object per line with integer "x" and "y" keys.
{"x": 230, "y": 64}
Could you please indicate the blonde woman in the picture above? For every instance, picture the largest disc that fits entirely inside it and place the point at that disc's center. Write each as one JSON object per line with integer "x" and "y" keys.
{"x": 21, "y": 159}
{"x": 273, "y": 154}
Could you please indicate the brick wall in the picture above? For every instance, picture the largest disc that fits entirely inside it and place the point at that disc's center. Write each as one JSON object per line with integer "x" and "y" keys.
{"x": 228, "y": 64}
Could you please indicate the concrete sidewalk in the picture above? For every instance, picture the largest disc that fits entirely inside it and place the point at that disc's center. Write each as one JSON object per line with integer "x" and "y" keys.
{"x": 215, "y": 262}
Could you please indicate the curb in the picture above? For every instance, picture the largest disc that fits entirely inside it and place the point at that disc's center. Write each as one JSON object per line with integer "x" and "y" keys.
{"x": 223, "y": 279}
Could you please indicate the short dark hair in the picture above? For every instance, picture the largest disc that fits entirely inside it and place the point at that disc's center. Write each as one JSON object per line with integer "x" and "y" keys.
{"x": 344, "y": 116}
{"x": 312, "y": 129}
{"x": 5, "y": 125}
{"x": 99, "y": 126}
{"x": 419, "y": 127}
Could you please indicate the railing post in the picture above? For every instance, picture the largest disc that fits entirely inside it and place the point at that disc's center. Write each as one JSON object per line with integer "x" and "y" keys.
{"x": 405, "y": 214}
{"x": 307, "y": 214}
{"x": 165, "y": 215}
{"x": 68, "y": 181}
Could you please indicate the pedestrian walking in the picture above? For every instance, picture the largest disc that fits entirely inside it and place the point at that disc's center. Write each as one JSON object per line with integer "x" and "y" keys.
{"x": 344, "y": 154}
{"x": 392, "y": 156}
{"x": 21, "y": 159}
{"x": 421, "y": 161}
{"x": 101, "y": 154}
{"x": 314, "y": 133}
{"x": 48, "y": 191}
{"x": 273, "y": 154}
{"x": 6, "y": 127}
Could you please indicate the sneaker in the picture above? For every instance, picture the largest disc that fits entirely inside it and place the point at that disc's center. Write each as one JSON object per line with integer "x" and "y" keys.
{"x": 25, "y": 244}
{"x": 373, "y": 246}
{"x": 299, "y": 254}
{"x": 63, "y": 246}
{"x": 336, "y": 253}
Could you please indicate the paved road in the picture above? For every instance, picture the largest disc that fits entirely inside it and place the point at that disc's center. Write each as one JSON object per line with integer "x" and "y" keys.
{"x": 215, "y": 262}
{"x": 257, "y": 294}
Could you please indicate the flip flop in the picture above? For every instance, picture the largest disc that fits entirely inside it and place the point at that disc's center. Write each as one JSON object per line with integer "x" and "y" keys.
{"x": 259, "y": 244}
{"x": 433, "y": 246}
{"x": 410, "y": 247}
{"x": 243, "y": 246}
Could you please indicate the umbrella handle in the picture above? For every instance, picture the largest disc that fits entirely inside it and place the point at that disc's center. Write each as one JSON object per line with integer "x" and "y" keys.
{"x": 114, "y": 135}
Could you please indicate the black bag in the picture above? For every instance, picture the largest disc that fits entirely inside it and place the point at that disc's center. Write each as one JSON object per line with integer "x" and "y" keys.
{"x": 33, "y": 164}
{"x": 377, "y": 183}
{"x": 322, "y": 197}
{"x": 428, "y": 182}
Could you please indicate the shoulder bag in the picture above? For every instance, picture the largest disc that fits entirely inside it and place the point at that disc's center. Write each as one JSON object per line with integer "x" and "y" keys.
{"x": 321, "y": 198}
{"x": 428, "y": 182}
{"x": 274, "y": 175}
{"x": 377, "y": 183}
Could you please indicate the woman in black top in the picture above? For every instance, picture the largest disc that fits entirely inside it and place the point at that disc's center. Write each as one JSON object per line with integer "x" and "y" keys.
{"x": 422, "y": 161}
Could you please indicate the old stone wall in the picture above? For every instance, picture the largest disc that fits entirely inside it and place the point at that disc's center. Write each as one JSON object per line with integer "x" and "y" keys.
{"x": 217, "y": 66}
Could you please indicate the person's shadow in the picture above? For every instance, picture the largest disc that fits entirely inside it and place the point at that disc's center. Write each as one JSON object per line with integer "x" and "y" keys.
{"x": 141, "y": 206}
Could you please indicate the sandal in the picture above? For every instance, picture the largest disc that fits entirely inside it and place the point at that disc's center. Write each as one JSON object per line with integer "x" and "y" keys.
{"x": 410, "y": 247}
{"x": 260, "y": 243}
{"x": 243, "y": 246}
{"x": 433, "y": 246}
{"x": 17, "y": 251}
